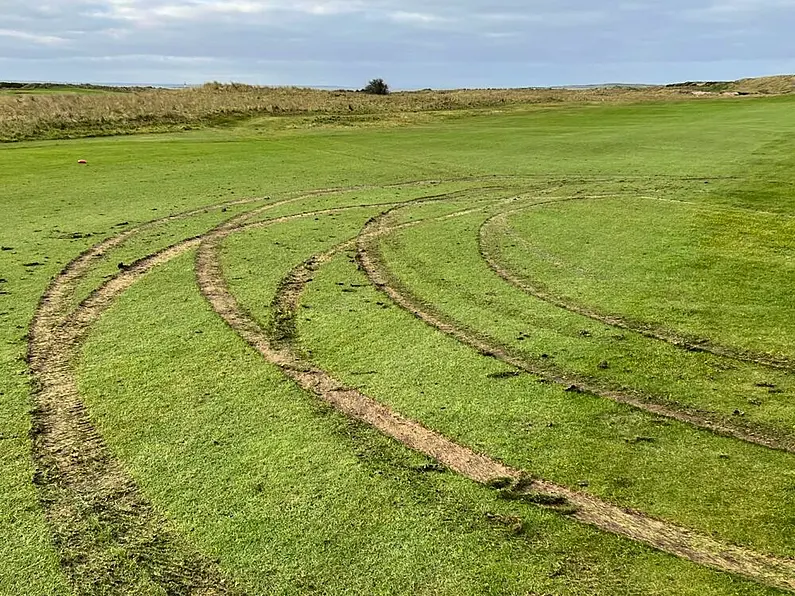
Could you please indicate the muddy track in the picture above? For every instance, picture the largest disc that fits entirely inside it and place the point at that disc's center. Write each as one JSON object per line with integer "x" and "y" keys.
{"x": 701, "y": 549}
{"x": 110, "y": 539}
{"x": 370, "y": 259}
{"x": 490, "y": 254}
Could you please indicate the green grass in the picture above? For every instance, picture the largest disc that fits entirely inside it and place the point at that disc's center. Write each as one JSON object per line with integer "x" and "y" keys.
{"x": 291, "y": 498}
{"x": 285, "y": 470}
{"x": 440, "y": 263}
{"x": 717, "y": 273}
{"x": 690, "y": 477}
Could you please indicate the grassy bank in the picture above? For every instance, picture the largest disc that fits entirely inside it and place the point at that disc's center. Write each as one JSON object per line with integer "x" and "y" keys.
{"x": 45, "y": 113}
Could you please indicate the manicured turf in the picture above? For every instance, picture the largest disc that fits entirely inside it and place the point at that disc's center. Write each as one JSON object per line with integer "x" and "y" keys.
{"x": 716, "y": 273}
{"x": 256, "y": 474}
{"x": 293, "y": 499}
{"x": 441, "y": 264}
{"x": 639, "y": 461}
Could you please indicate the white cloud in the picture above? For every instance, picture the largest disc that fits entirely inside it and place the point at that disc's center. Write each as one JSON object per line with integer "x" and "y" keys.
{"x": 422, "y": 18}
{"x": 151, "y": 12}
{"x": 565, "y": 18}
{"x": 47, "y": 40}
{"x": 346, "y": 42}
{"x": 733, "y": 10}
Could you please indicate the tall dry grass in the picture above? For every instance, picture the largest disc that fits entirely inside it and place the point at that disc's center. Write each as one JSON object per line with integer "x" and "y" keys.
{"x": 64, "y": 116}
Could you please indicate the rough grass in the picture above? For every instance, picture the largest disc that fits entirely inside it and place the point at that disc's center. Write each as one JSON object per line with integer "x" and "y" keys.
{"x": 69, "y": 115}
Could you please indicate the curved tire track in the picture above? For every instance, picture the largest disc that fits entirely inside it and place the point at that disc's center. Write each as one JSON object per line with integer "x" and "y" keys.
{"x": 681, "y": 542}
{"x": 75, "y": 469}
{"x": 378, "y": 274}
{"x": 668, "y": 336}
{"x": 109, "y": 537}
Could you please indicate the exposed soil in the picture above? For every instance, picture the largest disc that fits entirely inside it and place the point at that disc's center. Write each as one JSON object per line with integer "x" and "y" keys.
{"x": 110, "y": 539}
{"x": 478, "y": 467}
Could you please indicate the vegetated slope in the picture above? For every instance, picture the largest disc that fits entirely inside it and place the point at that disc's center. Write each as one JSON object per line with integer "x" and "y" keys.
{"x": 775, "y": 85}
{"x": 46, "y": 115}
{"x": 772, "y": 85}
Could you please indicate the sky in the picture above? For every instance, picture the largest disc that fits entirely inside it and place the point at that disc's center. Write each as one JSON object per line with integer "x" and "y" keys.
{"x": 412, "y": 44}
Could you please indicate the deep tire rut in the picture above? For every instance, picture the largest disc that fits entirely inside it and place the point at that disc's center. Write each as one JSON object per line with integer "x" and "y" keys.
{"x": 110, "y": 538}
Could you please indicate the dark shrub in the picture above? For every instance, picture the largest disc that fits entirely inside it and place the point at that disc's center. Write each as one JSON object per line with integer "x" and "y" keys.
{"x": 377, "y": 87}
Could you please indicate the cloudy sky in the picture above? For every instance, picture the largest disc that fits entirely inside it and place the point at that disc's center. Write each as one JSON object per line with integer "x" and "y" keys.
{"x": 410, "y": 43}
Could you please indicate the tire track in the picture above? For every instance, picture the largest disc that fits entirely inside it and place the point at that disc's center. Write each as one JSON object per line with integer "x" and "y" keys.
{"x": 109, "y": 537}
{"x": 54, "y": 302}
{"x": 84, "y": 489}
{"x": 489, "y": 252}
{"x": 681, "y": 542}
{"x": 377, "y": 272}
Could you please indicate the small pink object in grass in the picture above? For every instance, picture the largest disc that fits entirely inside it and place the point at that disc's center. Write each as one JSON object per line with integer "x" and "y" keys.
{"x": 82, "y": 161}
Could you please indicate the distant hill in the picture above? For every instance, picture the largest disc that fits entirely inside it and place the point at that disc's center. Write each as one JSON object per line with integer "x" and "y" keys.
{"x": 30, "y": 87}
{"x": 775, "y": 85}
